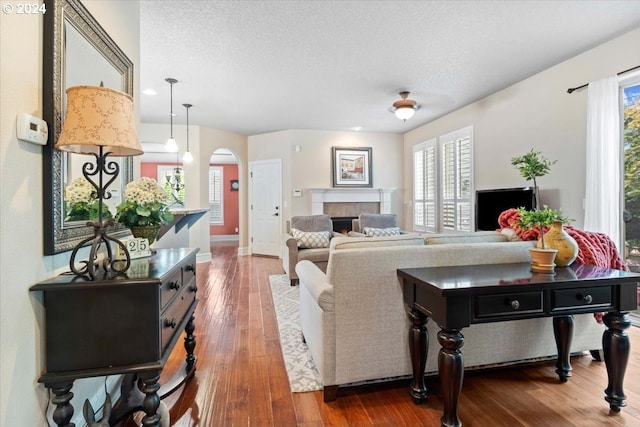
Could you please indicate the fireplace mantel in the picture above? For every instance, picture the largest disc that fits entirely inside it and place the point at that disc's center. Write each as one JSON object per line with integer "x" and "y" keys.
{"x": 320, "y": 196}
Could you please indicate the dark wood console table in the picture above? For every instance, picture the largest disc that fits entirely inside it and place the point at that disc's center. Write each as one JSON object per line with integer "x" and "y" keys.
{"x": 456, "y": 297}
{"x": 127, "y": 324}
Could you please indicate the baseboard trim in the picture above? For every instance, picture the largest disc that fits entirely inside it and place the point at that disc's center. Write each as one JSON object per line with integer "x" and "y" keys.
{"x": 244, "y": 251}
{"x": 224, "y": 238}
{"x": 203, "y": 257}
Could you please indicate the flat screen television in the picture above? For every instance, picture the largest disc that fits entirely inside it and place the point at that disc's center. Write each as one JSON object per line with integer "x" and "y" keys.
{"x": 491, "y": 203}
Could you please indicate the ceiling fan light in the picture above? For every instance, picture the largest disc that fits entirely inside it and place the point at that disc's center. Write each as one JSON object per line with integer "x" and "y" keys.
{"x": 405, "y": 113}
{"x": 405, "y": 108}
{"x": 187, "y": 157}
{"x": 171, "y": 146}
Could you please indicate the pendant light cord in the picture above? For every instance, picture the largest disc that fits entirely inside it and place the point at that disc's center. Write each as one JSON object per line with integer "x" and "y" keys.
{"x": 171, "y": 108}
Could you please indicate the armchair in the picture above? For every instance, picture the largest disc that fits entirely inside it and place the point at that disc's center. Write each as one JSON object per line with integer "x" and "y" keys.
{"x": 378, "y": 221}
{"x": 295, "y": 249}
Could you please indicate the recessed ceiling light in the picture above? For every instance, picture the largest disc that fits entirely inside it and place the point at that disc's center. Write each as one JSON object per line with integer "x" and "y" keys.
{"x": 150, "y": 92}
{"x": 356, "y": 128}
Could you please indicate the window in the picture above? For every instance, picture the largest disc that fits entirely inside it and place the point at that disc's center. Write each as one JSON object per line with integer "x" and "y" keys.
{"x": 424, "y": 188}
{"x": 443, "y": 183}
{"x": 631, "y": 145}
{"x": 216, "y": 206}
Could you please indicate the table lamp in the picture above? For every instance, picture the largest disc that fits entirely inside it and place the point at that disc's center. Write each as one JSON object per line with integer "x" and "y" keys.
{"x": 99, "y": 122}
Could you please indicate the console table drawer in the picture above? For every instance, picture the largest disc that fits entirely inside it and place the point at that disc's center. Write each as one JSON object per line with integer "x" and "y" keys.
{"x": 581, "y": 297}
{"x": 176, "y": 314}
{"x": 170, "y": 288}
{"x": 504, "y": 305}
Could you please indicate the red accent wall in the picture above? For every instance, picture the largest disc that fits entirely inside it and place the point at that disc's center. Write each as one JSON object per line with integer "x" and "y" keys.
{"x": 231, "y": 209}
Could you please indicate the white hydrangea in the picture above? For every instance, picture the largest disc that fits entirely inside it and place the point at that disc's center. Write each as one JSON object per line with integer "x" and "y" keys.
{"x": 145, "y": 190}
{"x": 78, "y": 191}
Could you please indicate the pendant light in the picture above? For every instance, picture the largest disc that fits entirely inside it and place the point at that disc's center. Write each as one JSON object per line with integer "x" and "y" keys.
{"x": 171, "y": 145}
{"x": 187, "y": 157}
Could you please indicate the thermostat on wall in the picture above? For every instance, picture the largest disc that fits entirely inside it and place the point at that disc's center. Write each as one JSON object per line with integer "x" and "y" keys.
{"x": 31, "y": 129}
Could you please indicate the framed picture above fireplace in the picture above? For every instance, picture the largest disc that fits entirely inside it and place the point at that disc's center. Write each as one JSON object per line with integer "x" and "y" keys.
{"x": 351, "y": 166}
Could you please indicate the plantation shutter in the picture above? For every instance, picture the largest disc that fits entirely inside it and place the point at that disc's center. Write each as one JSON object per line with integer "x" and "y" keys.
{"x": 425, "y": 186}
{"x": 456, "y": 178}
{"x": 215, "y": 195}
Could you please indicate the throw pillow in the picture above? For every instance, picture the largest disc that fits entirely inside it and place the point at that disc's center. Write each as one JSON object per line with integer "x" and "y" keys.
{"x": 378, "y": 232}
{"x": 311, "y": 239}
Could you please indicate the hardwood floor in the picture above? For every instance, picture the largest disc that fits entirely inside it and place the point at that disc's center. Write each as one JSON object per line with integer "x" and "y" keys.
{"x": 241, "y": 380}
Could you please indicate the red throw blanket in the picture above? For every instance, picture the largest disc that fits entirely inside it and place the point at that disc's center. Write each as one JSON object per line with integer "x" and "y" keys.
{"x": 593, "y": 248}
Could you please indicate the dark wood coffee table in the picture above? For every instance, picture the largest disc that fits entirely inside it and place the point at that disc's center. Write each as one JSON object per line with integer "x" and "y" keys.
{"x": 456, "y": 297}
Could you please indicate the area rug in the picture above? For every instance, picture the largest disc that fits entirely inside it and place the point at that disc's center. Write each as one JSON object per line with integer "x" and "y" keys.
{"x": 301, "y": 370}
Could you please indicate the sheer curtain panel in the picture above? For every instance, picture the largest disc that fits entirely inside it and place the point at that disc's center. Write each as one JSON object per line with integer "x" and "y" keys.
{"x": 603, "y": 194}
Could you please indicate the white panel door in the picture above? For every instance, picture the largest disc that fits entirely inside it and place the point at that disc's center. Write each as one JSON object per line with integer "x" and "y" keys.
{"x": 265, "y": 199}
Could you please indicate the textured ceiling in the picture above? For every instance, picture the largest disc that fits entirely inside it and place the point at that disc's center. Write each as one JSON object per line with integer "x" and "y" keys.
{"x": 253, "y": 67}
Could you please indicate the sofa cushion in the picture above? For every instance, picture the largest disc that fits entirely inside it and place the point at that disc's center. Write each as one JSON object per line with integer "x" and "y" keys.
{"x": 510, "y": 234}
{"x": 311, "y": 239}
{"x": 368, "y": 242}
{"x": 477, "y": 237}
{"x": 380, "y": 232}
{"x": 316, "y": 256}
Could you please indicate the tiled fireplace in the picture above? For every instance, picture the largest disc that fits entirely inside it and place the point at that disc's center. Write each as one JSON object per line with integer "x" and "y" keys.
{"x": 350, "y": 202}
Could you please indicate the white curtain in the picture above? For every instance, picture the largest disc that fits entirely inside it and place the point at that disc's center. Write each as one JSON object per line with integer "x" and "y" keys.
{"x": 604, "y": 159}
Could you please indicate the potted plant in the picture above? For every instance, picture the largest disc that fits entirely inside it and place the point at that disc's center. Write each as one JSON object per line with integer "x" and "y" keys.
{"x": 144, "y": 208}
{"x": 543, "y": 257}
{"x": 533, "y": 165}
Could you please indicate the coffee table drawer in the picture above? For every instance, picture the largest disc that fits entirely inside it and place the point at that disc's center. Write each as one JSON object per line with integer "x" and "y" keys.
{"x": 581, "y": 297}
{"x": 504, "y": 305}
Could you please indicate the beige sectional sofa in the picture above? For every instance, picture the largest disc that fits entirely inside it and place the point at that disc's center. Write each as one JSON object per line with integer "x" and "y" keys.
{"x": 353, "y": 317}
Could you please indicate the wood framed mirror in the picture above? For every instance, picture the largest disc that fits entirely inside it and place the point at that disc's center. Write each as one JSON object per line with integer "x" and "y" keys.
{"x": 76, "y": 51}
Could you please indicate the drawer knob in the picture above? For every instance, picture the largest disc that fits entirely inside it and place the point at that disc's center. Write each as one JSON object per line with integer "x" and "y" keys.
{"x": 190, "y": 267}
{"x": 194, "y": 288}
{"x": 171, "y": 323}
{"x": 586, "y": 298}
{"x": 174, "y": 285}
{"x": 515, "y": 304}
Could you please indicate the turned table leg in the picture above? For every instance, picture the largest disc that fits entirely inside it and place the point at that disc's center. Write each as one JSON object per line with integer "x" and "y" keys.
{"x": 63, "y": 395}
{"x": 563, "y": 332}
{"x": 190, "y": 346}
{"x": 151, "y": 400}
{"x": 451, "y": 372}
{"x": 419, "y": 348}
{"x": 615, "y": 345}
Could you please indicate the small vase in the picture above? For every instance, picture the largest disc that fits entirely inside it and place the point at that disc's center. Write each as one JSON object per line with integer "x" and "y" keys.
{"x": 542, "y": 260}
{"x": 558, "y": 238}
{"x": 149, "y": 232}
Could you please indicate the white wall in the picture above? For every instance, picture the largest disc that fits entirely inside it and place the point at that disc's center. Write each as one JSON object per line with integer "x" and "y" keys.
{"x": 310, "y": 167}
{"x": 22, "y": 264}
{"x": 535, "y": 113}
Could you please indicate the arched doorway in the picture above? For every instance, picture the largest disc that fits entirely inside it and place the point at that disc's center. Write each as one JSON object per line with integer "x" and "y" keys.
{"x": 224, "y": 196}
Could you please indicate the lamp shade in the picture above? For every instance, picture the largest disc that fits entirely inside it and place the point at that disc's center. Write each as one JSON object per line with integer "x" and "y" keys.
{"x": 187, "y": 157}
{"x": 405, "y": 113}
{"x": 99, "y": 117}
{"x": 171, "y": 146}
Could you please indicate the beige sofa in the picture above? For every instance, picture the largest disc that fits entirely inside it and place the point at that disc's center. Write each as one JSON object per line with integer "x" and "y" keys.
{"x": 353, "y": 317}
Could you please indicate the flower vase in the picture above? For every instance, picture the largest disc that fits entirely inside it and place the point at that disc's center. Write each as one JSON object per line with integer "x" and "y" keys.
{"x": 558, "y": 238}
{"x": 149, "y": 232}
